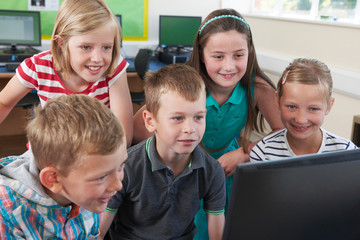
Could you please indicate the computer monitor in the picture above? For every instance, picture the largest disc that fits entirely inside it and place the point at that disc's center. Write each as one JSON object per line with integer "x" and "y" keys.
{"x": 19, "y": 28}
{"x": 118, "y": 17}
{"x": 177, "y": 31}
{"x": 307, "y": 197}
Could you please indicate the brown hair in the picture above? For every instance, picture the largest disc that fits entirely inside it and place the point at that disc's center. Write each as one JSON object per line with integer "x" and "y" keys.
{"x": 175, "y": 77}
{"x": 69, "y": 127}
{"x": 309, "y": 72}
{"x": 76, "y": 17}
{"x": 225, "y": 24}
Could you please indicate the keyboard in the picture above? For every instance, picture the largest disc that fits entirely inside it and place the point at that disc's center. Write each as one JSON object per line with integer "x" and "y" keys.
{"x": 11, "y": 67}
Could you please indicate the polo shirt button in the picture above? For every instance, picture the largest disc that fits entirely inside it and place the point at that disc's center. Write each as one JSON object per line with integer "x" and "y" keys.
{"x": 216, "y": 129}
{"x": 219, "y": 116}
{"x": 212, "y": 139}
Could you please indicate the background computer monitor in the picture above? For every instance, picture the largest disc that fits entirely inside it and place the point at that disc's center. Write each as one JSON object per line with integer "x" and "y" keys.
{"x": 177, "y": 31}
{"x": 118, "y": 17}
{"x": 309, "y": 197}
{"x": 19, "y": 28}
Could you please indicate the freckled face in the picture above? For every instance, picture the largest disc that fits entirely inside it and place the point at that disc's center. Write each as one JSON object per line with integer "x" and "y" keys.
{"x": 225, "y": 56}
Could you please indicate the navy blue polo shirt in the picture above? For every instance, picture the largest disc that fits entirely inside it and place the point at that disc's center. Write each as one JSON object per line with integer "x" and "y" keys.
{"x": 154, "y": 205}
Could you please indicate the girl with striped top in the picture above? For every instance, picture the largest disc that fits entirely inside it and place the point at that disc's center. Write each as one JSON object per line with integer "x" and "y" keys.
{"x": 84, "y": 59}
{"x": 304, "y": 98}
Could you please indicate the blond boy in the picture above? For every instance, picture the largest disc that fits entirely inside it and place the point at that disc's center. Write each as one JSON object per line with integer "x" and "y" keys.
{"x": 168, "y": 174}
{"x": 75, "y": 165}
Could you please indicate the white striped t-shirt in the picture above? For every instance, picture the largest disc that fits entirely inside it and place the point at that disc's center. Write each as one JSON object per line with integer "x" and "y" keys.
{"x": 276, "y": 146}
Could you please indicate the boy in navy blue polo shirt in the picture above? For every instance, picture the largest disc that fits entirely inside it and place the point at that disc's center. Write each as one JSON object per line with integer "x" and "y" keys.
{"x": 168, "y": 174}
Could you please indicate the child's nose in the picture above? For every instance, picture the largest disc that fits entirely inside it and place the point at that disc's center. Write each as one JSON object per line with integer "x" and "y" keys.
{"x": 116, "y": 182}
{"x": 228, "y": 64}
{"x": 96, "y": 55}
{"x": 301, "y": 117}
{"x": 189, "y": 127}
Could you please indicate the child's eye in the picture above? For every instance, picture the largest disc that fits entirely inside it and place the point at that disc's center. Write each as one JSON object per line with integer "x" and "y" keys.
{"x": 217, "y": 57}
{"x": 107, "y": 48}
{"x": 122, "y": 166}
{"x": 239, "y": 55}
{"x": 102, "y": 177}
{"x": 177, "y": 118}
{"x": 291, "y": 107}
{"x": 314, "y": 109}
{"x": 199, "y": 118}
{"x": 85, "y": 47}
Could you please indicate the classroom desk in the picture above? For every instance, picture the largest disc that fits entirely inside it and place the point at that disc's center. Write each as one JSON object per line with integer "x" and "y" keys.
{"x": 5, "y": 75}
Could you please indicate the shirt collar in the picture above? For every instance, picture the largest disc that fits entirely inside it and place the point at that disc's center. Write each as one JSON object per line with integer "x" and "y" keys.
{"x": 235, "y": 97}
{"x": 197, "y": 160}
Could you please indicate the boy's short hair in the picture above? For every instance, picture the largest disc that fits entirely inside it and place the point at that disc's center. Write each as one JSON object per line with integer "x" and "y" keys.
{"x": 77, "y": 17}
{"x": 182, "y": 79}
{"x": 69, "y": 127}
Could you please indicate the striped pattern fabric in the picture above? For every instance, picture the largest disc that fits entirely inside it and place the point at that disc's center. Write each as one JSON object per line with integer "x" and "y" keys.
{"x": 25, "y": 214}
{"x": 276, "y": 146}
{"x": 38, "y": 73}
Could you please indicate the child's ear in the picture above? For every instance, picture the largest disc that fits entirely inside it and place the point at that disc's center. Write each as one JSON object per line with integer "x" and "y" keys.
{"x": 149, "y": 120}
{"x": 49, "y": 179}
{"x": 59, "y": 40}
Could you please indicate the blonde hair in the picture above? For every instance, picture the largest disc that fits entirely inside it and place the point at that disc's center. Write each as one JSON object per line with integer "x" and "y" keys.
{"x": 182, "y": 79}
{"x": 70, "y": 127}
{"x": 309, "y": 72}
{"x": 77, "y": 17}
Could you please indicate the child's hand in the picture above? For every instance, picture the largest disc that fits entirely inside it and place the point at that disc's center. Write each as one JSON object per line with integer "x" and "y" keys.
{"x": 229, "y": 160}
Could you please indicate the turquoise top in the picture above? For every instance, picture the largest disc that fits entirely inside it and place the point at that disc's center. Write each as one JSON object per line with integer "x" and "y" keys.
{"x": 224, "y": 123}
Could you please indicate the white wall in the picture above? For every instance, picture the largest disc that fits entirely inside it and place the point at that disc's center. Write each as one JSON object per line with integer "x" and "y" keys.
{"x": 336, "y": 45}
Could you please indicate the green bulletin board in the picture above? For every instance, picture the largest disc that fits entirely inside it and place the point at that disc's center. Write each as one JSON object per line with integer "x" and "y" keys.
{"x": 134, "y": 17}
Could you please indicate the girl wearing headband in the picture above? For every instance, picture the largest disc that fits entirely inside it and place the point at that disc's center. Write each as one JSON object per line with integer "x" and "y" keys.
{"x": 239, "y": 93}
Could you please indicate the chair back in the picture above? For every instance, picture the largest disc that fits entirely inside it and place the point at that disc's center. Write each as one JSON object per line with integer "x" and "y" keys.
{"x": 142, "y": 60}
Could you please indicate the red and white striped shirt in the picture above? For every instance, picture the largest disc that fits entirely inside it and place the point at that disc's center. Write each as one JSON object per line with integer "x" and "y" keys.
{"x": 38, "y": 73}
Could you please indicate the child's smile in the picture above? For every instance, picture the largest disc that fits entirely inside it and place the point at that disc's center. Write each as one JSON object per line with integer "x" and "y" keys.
{"x": 225, "y": 57}
{"x": 303, "y": 109}
{"x": 90, "y": 56}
